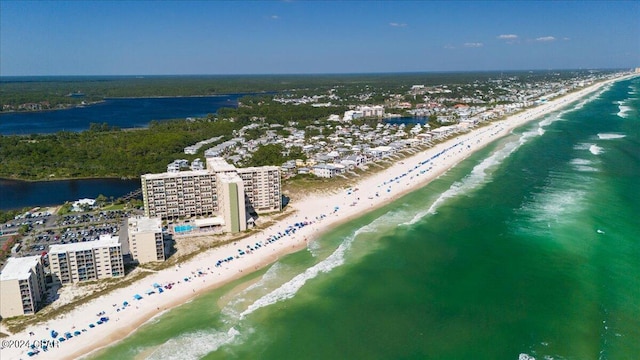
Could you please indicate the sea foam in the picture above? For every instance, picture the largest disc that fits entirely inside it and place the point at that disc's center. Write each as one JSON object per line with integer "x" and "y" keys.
{"x": 583, "y": 165}
{"x": 595, "y": 149}
{"x": 481, "y": 172}
{"x": 193, "y": 345}
{"x": 609, "y": 136}
{"x": 290, "y": 288}
{"x": 623, "y": 109}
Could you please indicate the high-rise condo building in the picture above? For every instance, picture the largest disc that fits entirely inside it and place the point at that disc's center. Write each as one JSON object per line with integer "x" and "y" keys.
{"x": 83, "y": 261}
{"x": 195, "y": 193}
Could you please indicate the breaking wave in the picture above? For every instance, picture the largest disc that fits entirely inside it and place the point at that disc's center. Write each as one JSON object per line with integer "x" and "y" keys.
{"x": 193, "y": 345}
{"x": 623, "y": 109}
{"x": 289, "y": 289}
{"x": 595, "y": 149}
{"x": 583, "y": 165}
{"x": 609, "y": 136}
{"x": 481, "y": 172}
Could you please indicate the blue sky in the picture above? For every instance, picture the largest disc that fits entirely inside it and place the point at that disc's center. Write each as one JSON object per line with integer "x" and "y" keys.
{"x": 275, "y": 37}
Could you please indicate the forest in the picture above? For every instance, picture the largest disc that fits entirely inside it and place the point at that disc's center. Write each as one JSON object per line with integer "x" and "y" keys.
{"x": 103, "y": 151}
{"x": 69, "y": 90}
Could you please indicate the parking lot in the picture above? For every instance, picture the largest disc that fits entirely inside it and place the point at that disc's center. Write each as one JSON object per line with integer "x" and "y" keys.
{"x": 45, "y": 229}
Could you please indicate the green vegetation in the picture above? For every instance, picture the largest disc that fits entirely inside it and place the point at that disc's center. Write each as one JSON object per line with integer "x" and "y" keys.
{"x": 268, "y": 155}
{"x": 56, "y": 90}
{"x": 104, "y": 152}
{"x": 6, "y": 215}
{"x": 266, "y": 110}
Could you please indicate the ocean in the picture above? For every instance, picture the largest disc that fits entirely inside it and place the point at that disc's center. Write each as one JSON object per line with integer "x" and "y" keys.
{"x": 530, "y": 248}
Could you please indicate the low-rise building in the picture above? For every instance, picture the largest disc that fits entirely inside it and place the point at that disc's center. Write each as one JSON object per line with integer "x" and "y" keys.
{"x": 328, "y": 170}
{"x": 22, "y": 286}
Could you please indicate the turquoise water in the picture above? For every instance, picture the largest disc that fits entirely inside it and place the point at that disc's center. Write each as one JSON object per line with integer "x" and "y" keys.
{"x": 184, "y": 228}
{"x": 531, "y": 247}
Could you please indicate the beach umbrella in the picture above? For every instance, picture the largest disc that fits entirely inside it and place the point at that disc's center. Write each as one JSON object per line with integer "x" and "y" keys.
{"x": 149, "y": 292}
{"x": 156, "y": 285}
{"x": 137, "y": 297}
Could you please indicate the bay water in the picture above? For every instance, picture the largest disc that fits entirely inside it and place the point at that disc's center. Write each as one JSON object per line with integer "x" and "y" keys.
{"x": 124, "y": 113}
{"x": 530, "y": 248}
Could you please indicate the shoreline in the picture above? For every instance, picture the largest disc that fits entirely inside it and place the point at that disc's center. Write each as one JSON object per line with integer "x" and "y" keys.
{"x": 323, "y": 212}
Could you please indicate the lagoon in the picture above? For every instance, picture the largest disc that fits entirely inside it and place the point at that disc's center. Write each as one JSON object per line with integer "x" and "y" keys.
{"x": 124, "y": 113}
{"x": 16, "y": 194}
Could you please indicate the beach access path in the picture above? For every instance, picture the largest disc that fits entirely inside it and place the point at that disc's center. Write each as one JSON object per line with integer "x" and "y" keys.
{"x": 314, "y": 214}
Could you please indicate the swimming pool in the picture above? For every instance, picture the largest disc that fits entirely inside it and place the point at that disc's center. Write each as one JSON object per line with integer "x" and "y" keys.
{"x": 185, "y": 228}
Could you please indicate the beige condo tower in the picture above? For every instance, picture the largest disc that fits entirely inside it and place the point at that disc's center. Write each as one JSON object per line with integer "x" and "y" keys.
{"x": 22, "y": 286}
{"x": 146, "y": 243}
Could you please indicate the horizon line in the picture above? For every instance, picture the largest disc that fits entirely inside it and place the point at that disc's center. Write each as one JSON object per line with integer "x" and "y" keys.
{"x": 323, "y": 74}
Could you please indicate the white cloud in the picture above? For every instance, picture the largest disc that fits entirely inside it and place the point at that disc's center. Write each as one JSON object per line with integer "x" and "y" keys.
{"x": 508, "y": 37}
{"x": 566, "y": 39}
{"x": 275, "y": 17}
{"x": 546, "y": 38}
{"x": 448, "y": 46}
{"x": 473, "y": 45}
{"x": 395, "y": 24}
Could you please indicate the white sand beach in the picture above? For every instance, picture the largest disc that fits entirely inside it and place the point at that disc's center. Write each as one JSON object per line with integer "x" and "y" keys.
{"x": 315, "y": 214}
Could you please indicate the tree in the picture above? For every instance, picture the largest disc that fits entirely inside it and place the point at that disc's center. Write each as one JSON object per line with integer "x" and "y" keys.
{"x": 295, "y": 152}
{"x": 268, "y": 155}
{"x": 101, "y": 200}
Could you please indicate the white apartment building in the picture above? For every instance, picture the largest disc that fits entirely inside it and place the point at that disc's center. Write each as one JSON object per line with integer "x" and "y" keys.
{"x": 328, "y": 170}
{"x": 22, "y": 286}
{"x": 146, "y": 243}
{"x": 83, "y": 261}
{"x": 371, "y": 111}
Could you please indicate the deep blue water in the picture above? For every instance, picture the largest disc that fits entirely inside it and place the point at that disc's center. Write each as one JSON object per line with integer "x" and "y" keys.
{"x": 20, "y": 194}
{"x": 407, "y": 120}
{"x": 123, "y": 113}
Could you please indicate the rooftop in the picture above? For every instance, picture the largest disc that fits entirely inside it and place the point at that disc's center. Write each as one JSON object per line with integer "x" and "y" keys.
{"x": 210, "y": 221}
{"x": 19, "y": 268}
{"x": 104, "y": 241}
{"x": 169, "y": 175}
{"x": 145, "y": 224}
{"x": 225, "y": 178}
{"x": 218, "y": 164}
